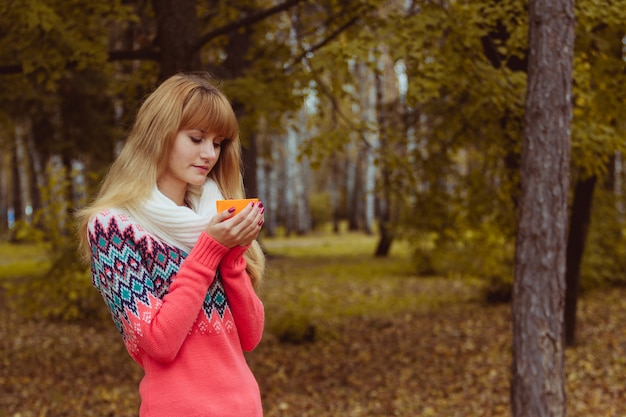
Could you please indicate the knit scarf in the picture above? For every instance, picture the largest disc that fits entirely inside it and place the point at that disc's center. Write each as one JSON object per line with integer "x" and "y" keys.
{"x": 179, "y": 226}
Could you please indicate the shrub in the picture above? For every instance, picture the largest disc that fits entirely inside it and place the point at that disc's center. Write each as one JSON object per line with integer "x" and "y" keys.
{"x": 62, "y": 288}
{"x": 62, "y": 291}
{"x": 321, "y": 209}
{"x": 604, "y": 260}
{"x": 484, "y": 255}
{"x": 294, "y": 328}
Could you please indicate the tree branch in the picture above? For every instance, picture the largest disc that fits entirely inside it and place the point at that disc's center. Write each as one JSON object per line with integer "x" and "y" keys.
{"x": 322, "y": 87}
{"x": 11, "y": 69}
{"x": 247, "y": 21}
{"x": 324, "y": 42}
{"x": 154, "y": 54}
{"x": 136, "y": 54}
{"x": 120, "y": 55}
{"x": 325, "y": 90}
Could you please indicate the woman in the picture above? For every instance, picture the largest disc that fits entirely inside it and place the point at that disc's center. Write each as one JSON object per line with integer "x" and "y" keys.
{"x": 178, "y": 277}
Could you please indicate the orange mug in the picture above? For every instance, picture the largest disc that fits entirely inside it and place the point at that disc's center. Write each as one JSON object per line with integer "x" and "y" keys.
{"x": 238, "y": 204}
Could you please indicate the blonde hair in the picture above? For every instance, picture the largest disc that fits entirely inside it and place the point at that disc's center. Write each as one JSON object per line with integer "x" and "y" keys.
{"x": 183, "y": 101}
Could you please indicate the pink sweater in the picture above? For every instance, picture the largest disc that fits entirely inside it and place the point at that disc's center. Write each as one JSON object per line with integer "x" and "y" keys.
{"x": 185, "y": 318}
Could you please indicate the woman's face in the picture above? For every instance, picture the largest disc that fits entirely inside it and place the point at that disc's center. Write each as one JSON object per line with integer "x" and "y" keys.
{"x": 193, "y": 155}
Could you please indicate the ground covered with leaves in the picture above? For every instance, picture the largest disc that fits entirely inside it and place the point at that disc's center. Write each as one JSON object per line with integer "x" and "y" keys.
{"x": 345, "y": 337}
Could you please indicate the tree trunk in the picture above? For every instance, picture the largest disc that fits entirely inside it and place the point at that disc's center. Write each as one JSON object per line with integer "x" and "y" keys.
{"x": 579, "y": 226}
{"x": 334, "y": 194}
{"x": 390, "y": 126}
{"x": 384, "y": 196}
{"x": 6, "y": 188}
{"x": 15, "y": 209}
{"x": 362, "y": 210}
{"x": 538, "y": 374}
{"x": 384, "y": 242}
{"x": 270, "y": 182}
{"x": 296, "y": 178}
{"x": 355, "y": 189}
{"x": 177, "y": 26}
{"x": 38, "y": 178}
{"x": 250, "y": 167}
{"x": 23, "y": 172}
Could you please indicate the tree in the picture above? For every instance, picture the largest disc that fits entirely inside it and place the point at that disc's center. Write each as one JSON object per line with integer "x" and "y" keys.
{"x": 580, "y": 219}
{"x": 538, "y": 380}
{"x": 52, "y": 53}
{"x": 448, "y": 149}
{"x": 247, "y": 44}
{"x": 598, "y": 141}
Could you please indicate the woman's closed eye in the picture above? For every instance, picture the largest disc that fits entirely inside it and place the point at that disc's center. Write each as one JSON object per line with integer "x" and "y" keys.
{"x": 202, "y": 140}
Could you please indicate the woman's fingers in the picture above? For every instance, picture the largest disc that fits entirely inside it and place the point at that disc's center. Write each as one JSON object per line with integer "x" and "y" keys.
{"x": 240, "y": 229}
{"x": 248, "y": 222}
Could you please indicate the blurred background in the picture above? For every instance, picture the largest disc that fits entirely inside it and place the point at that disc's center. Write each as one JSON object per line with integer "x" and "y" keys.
{"x": 395, "y": 123}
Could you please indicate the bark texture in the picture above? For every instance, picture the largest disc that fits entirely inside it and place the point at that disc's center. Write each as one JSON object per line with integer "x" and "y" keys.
{"x": 537, "y": 386}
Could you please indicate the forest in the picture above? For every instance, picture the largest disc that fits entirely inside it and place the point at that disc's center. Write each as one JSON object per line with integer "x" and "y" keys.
{"x": 404, "y": 122}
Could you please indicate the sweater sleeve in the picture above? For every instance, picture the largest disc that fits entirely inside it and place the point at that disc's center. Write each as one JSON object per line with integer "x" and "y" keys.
{"x": 156, "y": 325}
{"x": 247, "y": 308}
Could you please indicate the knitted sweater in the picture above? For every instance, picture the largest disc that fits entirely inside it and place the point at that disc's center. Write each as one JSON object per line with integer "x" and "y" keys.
{"x": 185, "y": 318}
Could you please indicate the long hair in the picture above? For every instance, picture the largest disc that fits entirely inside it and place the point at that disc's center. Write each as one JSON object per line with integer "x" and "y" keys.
{"x": 183, "y": 101}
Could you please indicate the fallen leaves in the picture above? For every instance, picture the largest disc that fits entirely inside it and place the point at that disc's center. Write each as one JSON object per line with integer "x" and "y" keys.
{"x": 451, "y": 361}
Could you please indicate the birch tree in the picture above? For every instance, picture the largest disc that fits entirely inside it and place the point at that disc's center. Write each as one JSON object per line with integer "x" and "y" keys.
{"x": 368, "y": 104}
{"x": 7, "y": 212}
{"x": 23, "y": 172}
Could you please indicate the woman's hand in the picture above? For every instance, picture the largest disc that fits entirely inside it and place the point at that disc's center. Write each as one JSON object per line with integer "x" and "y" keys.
{"x": 240, "y": 229}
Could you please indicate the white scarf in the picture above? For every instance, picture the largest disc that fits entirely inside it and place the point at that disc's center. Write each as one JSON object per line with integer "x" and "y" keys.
{"x": 176, "y": 225}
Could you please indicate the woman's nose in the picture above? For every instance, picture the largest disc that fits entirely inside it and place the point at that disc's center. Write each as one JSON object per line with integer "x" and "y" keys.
{"x": 207, "y": 151}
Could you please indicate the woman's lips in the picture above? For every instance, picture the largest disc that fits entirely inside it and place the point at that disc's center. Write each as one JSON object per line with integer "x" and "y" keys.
{"x": 202, "y": 168}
